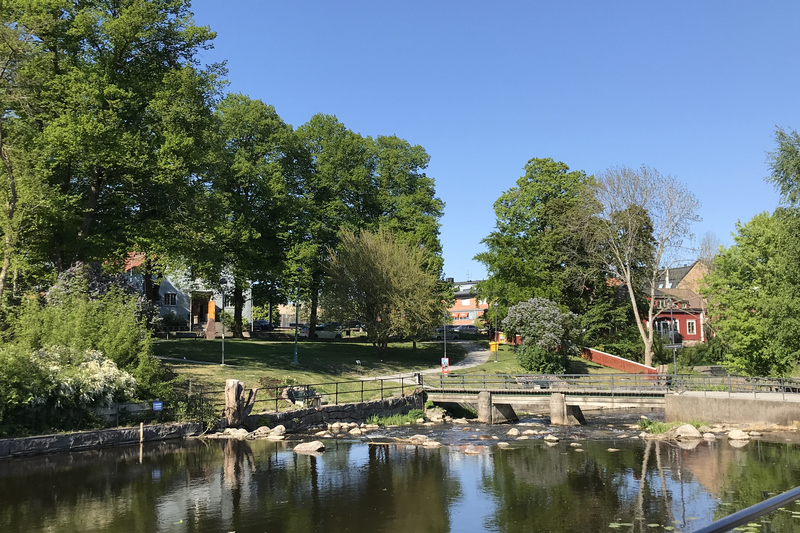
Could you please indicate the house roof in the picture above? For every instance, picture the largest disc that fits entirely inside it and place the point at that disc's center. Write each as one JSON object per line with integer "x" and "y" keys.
{"x": 685, "y": 296}
{"x": 676, "y": 274}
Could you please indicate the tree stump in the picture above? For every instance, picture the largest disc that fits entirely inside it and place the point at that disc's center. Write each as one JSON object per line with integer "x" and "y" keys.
{"x": 236, "y": 407}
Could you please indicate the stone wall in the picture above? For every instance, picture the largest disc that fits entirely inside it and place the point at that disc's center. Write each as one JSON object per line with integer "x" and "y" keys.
{"x": 85, "y": 440}
{"x": 300, "y": 419}
{"x": 730, "y": 410}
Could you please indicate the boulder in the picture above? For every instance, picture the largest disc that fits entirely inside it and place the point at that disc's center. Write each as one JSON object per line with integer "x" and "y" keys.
{"x": 575, "y": 444}
{"x": 502, "y": 445}
{"x": 513, "y": 432}
{"x": 259, "y": 433}
{"x": 460, "y": 421}
{"x": 738, "y": 434}
{"x": 356, "y": 431}
{"x": 523, "y": 437}
{"x": 420, "y": 420}
{"x": 312, "y": 447}
{"x": 755, "y": 433}
{"x": 473, "y": 450}
{"x": 687, "y": 432}
{"x": 278, "y": 431}
{"x": 704, "y": 429}
{"x": 551, "y": 438}
{"x": 529, "y": 432}
{"x": 709, "y": 436}
{"x": 435, "y": 414}
{"x": 431, "y": 444}
{"x": 276, "y": 437}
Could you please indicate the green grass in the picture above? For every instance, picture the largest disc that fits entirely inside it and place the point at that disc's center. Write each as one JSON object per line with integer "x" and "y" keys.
{"x": 657, "y": 428}
{"x": 397, "y": 420}
{"x": 320, "y": 361}
{"x": 507, "y": 364}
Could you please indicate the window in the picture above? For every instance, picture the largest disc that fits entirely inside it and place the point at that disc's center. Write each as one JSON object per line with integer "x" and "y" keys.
{"x": 170, "y": 298}
{"x": 465, "y": 301}
{"x": 691, "y": 328}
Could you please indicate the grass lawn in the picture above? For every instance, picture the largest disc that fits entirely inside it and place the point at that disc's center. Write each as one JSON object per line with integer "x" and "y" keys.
{"x": 507, "y": 364}
{"x": 322, "y": 361}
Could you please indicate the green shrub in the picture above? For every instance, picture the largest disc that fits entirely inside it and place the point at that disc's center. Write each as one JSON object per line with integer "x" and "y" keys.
{"x": 429, "y": 404}
{"x": 172, "y": 320}
{"x": 534, "y": 358}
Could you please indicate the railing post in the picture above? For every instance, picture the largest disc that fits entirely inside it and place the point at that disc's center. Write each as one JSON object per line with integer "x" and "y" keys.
{"x": 381, "y": 389}
{"x": 362, "y": 391}
{"x": 729, "y": 385}
{"x": 402, "y": 390}
{"x": 336, "y": 401}
{"x": 783, "y": 389}
{"x": 277, "y": 395}
{"x": 612, "y": 385}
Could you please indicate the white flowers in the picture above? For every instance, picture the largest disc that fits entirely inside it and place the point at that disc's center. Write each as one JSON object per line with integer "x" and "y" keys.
{"x": 80, "y": 378}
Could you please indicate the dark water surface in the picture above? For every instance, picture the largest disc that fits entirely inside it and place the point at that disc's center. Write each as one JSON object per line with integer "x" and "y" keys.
{"x": 255, "y": 486}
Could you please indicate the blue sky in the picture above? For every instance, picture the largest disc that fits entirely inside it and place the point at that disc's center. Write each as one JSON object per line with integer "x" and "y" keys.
{"x": 693, "y": 89}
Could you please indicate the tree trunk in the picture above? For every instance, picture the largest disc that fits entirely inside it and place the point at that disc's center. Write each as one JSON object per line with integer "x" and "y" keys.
{"x": 238, "y": 303}
{"x": 312, "y": 319}
{"x": 11, "y": 206}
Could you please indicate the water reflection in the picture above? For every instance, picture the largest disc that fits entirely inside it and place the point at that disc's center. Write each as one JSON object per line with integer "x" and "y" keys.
{"x": 264, "y": 486}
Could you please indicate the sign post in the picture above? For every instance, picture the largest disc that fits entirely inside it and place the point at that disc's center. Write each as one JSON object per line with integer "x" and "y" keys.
{"x": 445, "y": 365}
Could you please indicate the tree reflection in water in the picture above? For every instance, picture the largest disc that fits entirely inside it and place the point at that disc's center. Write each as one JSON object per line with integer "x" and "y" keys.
{"x": 259, "y": 485}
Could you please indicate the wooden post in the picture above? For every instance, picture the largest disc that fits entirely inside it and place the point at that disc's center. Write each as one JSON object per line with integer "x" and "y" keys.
{"x": 141, "y": 432}
{"x": 236, "y": 407}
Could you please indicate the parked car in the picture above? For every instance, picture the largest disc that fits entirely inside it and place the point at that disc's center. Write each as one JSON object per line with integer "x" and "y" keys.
{"x": 262, "y": 325}
{"x": 468, "y": 329}
{"x": 439, "y": 333}
{"x": 327, "y": 330}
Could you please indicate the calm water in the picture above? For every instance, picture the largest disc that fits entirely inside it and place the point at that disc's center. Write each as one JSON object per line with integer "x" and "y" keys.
{"x": 357, "y": 486}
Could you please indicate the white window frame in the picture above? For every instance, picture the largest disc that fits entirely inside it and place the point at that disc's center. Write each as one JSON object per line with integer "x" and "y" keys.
{"x": 465, "y": 301}
{"x": 171, "y": 297}
{"x": 691, "y": 327}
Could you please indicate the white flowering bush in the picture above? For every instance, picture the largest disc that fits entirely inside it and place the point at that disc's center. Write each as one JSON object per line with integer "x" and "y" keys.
{"x": 548, "y": 335}
{"x": 82, "y": 379}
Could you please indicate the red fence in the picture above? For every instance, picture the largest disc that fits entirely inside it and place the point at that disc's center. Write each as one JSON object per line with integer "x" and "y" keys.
{"x": 618, "y": 363}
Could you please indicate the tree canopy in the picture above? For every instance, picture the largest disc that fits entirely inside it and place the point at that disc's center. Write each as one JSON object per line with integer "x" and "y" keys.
{"x": 376, "y": 280}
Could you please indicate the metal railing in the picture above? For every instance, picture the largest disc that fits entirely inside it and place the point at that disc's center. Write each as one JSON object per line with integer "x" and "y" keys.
{"x": 600, "y": 384}
{"x": 613, "y": 384}
{"x": 754, "y": 511}
{"x": 284, "y": 397}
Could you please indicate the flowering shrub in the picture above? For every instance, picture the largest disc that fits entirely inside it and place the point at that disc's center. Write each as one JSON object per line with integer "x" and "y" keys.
{"x": 548, "y": 335}
{"x": 79, "y": 378}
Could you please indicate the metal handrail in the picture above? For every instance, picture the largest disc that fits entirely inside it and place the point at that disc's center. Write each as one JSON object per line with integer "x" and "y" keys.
{"x": 754, "y": 511}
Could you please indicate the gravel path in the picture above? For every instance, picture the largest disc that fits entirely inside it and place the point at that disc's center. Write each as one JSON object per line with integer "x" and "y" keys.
{"x": 476, "y": 356}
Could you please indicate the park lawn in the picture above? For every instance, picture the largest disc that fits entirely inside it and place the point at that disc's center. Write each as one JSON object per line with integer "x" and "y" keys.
{"x": 323, "y": 361}
{"x": 507, "y": 364}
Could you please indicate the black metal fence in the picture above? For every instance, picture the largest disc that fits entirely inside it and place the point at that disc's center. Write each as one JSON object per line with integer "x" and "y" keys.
{"x": 285, "y": 397}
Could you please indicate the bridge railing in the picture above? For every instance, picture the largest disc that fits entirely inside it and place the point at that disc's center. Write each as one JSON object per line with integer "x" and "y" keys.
{"x": 615, "y": 384}
{"x": 547, "y": 383}
{"x": 737, "y": 384}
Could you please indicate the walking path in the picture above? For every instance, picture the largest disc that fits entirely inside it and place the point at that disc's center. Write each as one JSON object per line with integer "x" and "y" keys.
{"x": 476, "y": 356}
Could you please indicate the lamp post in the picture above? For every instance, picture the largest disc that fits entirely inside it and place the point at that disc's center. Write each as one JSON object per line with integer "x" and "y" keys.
{"x": 295, "y": 361}
{"x": 223, "y": 283}
{"x": 496, "y": 344}
{"x": 444, "y": 334}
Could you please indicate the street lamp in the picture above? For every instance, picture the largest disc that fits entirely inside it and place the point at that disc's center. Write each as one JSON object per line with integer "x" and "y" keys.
{"x": 444, "y": 334}
{"x": 295, "y": 361}
{"x": 223, "y": 283}
{"x": 496, "y": 344}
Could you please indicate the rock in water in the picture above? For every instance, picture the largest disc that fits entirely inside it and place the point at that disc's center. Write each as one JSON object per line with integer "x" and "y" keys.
{"x": 687, "y": 431}
{"x": 513, "y": 432}
{"x": 314, "y": 446}
{"x": 738, "y": 434}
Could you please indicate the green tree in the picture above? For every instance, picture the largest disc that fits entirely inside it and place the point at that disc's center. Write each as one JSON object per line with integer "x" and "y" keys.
{"x": 752, "y": 292}
{"x": 337, "y": 192}
{"x": 531, "y": 252}
{"x": 253, "y": 195}
{"x": 381, "y": 283}
{"x": 785, "y": 166}
{"x": 119, "y": 119}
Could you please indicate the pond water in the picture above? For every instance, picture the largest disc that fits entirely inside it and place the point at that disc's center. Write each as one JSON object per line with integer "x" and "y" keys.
{"x": 366, "y": 485}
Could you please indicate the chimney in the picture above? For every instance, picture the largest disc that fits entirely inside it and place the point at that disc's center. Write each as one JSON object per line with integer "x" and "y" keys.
{"x": 449, "y": 280}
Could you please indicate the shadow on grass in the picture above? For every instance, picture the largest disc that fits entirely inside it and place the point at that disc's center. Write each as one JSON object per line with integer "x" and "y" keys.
{"x": 319, "y": 360}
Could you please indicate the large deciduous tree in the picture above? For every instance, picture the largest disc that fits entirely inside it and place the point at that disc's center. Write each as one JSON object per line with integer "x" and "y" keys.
{"x": 753, "y": 295}
{"x": 382, "y": 283}
{"x": 253, "y": 195}
{"x": 531, "y": 252}
{"x": 639, "y": 219}
{"x": 119, "y": 122}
